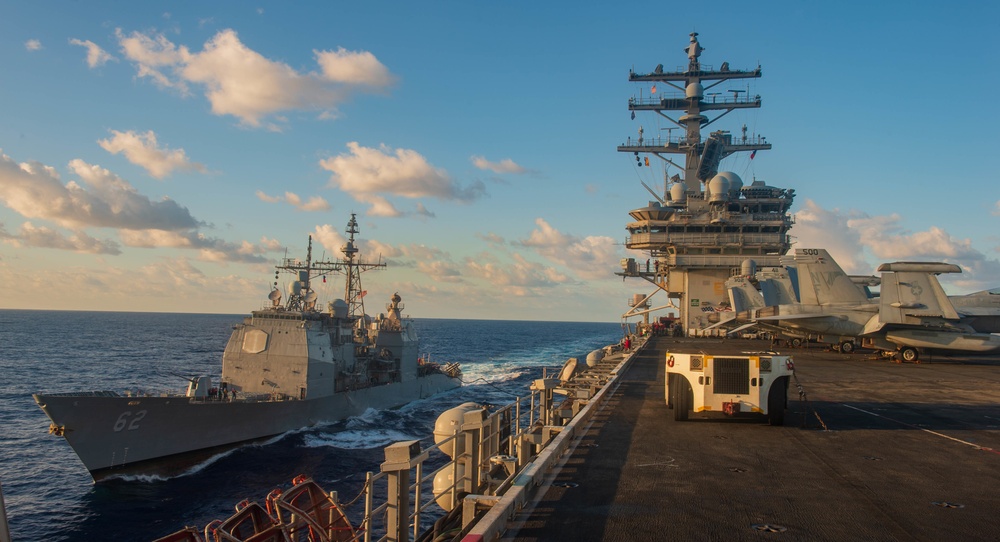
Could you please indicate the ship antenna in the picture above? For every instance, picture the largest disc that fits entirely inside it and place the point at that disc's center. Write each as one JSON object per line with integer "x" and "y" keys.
{"x": 353, "y": 293}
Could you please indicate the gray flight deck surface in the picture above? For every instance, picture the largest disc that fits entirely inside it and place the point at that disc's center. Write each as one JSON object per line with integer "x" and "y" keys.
{"x": 912, "y": 452}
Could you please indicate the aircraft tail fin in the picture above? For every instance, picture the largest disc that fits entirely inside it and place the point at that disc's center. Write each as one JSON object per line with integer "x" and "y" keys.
{"x": 743, "y": 296}
{"x": 776, "y": 286}
{"x": 910, "y": 290}
{"x": 822, "y": 281}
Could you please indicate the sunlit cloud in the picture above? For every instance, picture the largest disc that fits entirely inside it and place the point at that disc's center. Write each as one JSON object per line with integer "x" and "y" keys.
{"x": 314, "y": 203}
{"x": 587, "y": 257}
{"x": 95, "y": 55}
{"x": 168, "y": 284}
{"x": 860, "y": 242}
{"x": 151, "y": 54}
{"x": 354, "y": 68}
{"x": 333, "y": 240}
{"x": 143, "y": 150}
{"x": 241, "y": 82}
{"x": 42, "y": 237}
{"x": 519, "y": 278}
{"x": 35, "y": 190}
{"x": 492, "y": 238}
{"x": 503, "y": 166}
{"x": 209, "y": 249}
{"x": 370, "y": 174}
{"x": 33, "y": 45}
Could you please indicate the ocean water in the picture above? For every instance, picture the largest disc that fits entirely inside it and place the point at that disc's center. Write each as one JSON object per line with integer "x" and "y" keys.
{"x": 51, "y": 497}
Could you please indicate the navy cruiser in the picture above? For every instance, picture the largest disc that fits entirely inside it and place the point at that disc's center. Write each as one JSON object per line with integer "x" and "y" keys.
{"x": 286, "y": 366}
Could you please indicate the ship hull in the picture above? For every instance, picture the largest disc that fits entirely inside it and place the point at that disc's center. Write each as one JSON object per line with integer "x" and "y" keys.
{"x": 115, "y": 435}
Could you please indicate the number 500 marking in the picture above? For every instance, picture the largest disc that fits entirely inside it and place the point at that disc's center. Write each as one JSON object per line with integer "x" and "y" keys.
{"x": 123, "y": 420}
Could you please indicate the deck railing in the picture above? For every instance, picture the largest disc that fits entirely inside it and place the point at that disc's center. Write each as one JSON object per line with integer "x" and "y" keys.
{"x": 489, "y": 455}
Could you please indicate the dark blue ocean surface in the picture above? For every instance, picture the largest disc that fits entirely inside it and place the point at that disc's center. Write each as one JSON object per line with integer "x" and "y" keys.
{"x": 51, "y": 497}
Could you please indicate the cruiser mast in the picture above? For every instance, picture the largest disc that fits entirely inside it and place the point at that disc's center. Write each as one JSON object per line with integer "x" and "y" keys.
{"x": 303, "y": 297}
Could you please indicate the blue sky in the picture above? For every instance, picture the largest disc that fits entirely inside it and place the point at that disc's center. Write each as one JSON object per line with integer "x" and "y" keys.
{"x": 163, "y": 157}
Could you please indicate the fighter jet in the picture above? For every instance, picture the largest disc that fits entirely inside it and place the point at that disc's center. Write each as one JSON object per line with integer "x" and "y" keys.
{"x": 911, "y": 314}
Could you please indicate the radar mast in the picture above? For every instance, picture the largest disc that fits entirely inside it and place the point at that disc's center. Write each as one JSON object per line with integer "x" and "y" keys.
{"x": 702, "y": 226}
{"x": 303, "y": 298}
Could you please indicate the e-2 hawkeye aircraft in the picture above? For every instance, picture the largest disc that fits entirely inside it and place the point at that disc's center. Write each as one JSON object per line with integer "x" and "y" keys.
{"x": 911, "y": 314}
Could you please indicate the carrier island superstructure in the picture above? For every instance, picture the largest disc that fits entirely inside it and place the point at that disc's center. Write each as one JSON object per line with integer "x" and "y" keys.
{"x": 704, "y": 223}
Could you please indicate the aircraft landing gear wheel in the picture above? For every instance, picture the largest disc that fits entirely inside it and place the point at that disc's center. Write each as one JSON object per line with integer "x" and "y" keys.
{"x": 909, "y": 354}
{"x": 847, "y": 347}
{"x": 682, "y": 398}
{"x": 796, "y": 342}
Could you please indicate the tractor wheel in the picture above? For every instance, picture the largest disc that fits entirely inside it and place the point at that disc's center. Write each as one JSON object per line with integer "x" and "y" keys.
{"x": 777, "y": 399}
{"x": 682, "y": 398}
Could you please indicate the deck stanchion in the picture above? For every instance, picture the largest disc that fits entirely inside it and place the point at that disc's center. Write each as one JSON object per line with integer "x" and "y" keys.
{"x": 400, "y": 458}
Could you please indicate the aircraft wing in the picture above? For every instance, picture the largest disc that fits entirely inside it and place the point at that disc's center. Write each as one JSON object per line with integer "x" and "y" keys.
{"x": 741, "y": 328}
{"x": 724, "y": 319}
{"x": 780, "y": 317}
{"x": 978, "y": 311}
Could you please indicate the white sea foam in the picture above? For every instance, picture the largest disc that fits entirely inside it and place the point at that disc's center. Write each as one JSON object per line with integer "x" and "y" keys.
{"x": 357, "y": 439}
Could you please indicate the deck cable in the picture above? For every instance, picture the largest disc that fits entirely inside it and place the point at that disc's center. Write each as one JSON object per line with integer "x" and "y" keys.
{"x": 805, "y": 399}
{"x": 488, "y": 383}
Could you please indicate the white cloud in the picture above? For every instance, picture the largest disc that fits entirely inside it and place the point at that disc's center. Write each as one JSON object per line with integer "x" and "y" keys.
{"x": 492, "y": 238}
{"x": 379, "y": 205}
{"x": 168, "y": 284}
{"x": 331, "y": 239}
{"x": 369, "y": 174}
{"x": 241, "y": 82}
{"x": 103, "y": 200}
{"x": 587, "y": 257}
{"x": 33, "y": 45}
{"x": 520, "y": 278}
{"x": 353, "y": 67}
{"x": 151, "y": 54}
{"x": 816, "y": 227}
{"x": 142, "y": 150}
{"x": 996, "y": 209}
{"x": 314, "y": 203}
{"x": 43, "y": 237}
{"x": 95, "y": 55}
{"x": 209, "y": 249}
{"x": 503, "y": 166}
{"x": 860, "y": 242}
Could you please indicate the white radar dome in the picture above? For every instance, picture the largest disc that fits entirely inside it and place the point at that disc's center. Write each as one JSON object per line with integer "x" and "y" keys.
{"x": 695, "y": 90}
{"x": 338, "y": 308}
{"x": 678, "y": 192}
{"x": 735, "y": 182}
{"x": 718, "y": 189}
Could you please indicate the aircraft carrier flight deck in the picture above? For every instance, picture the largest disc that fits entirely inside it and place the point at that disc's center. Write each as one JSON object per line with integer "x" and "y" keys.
{"x": 874, "y": 450}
